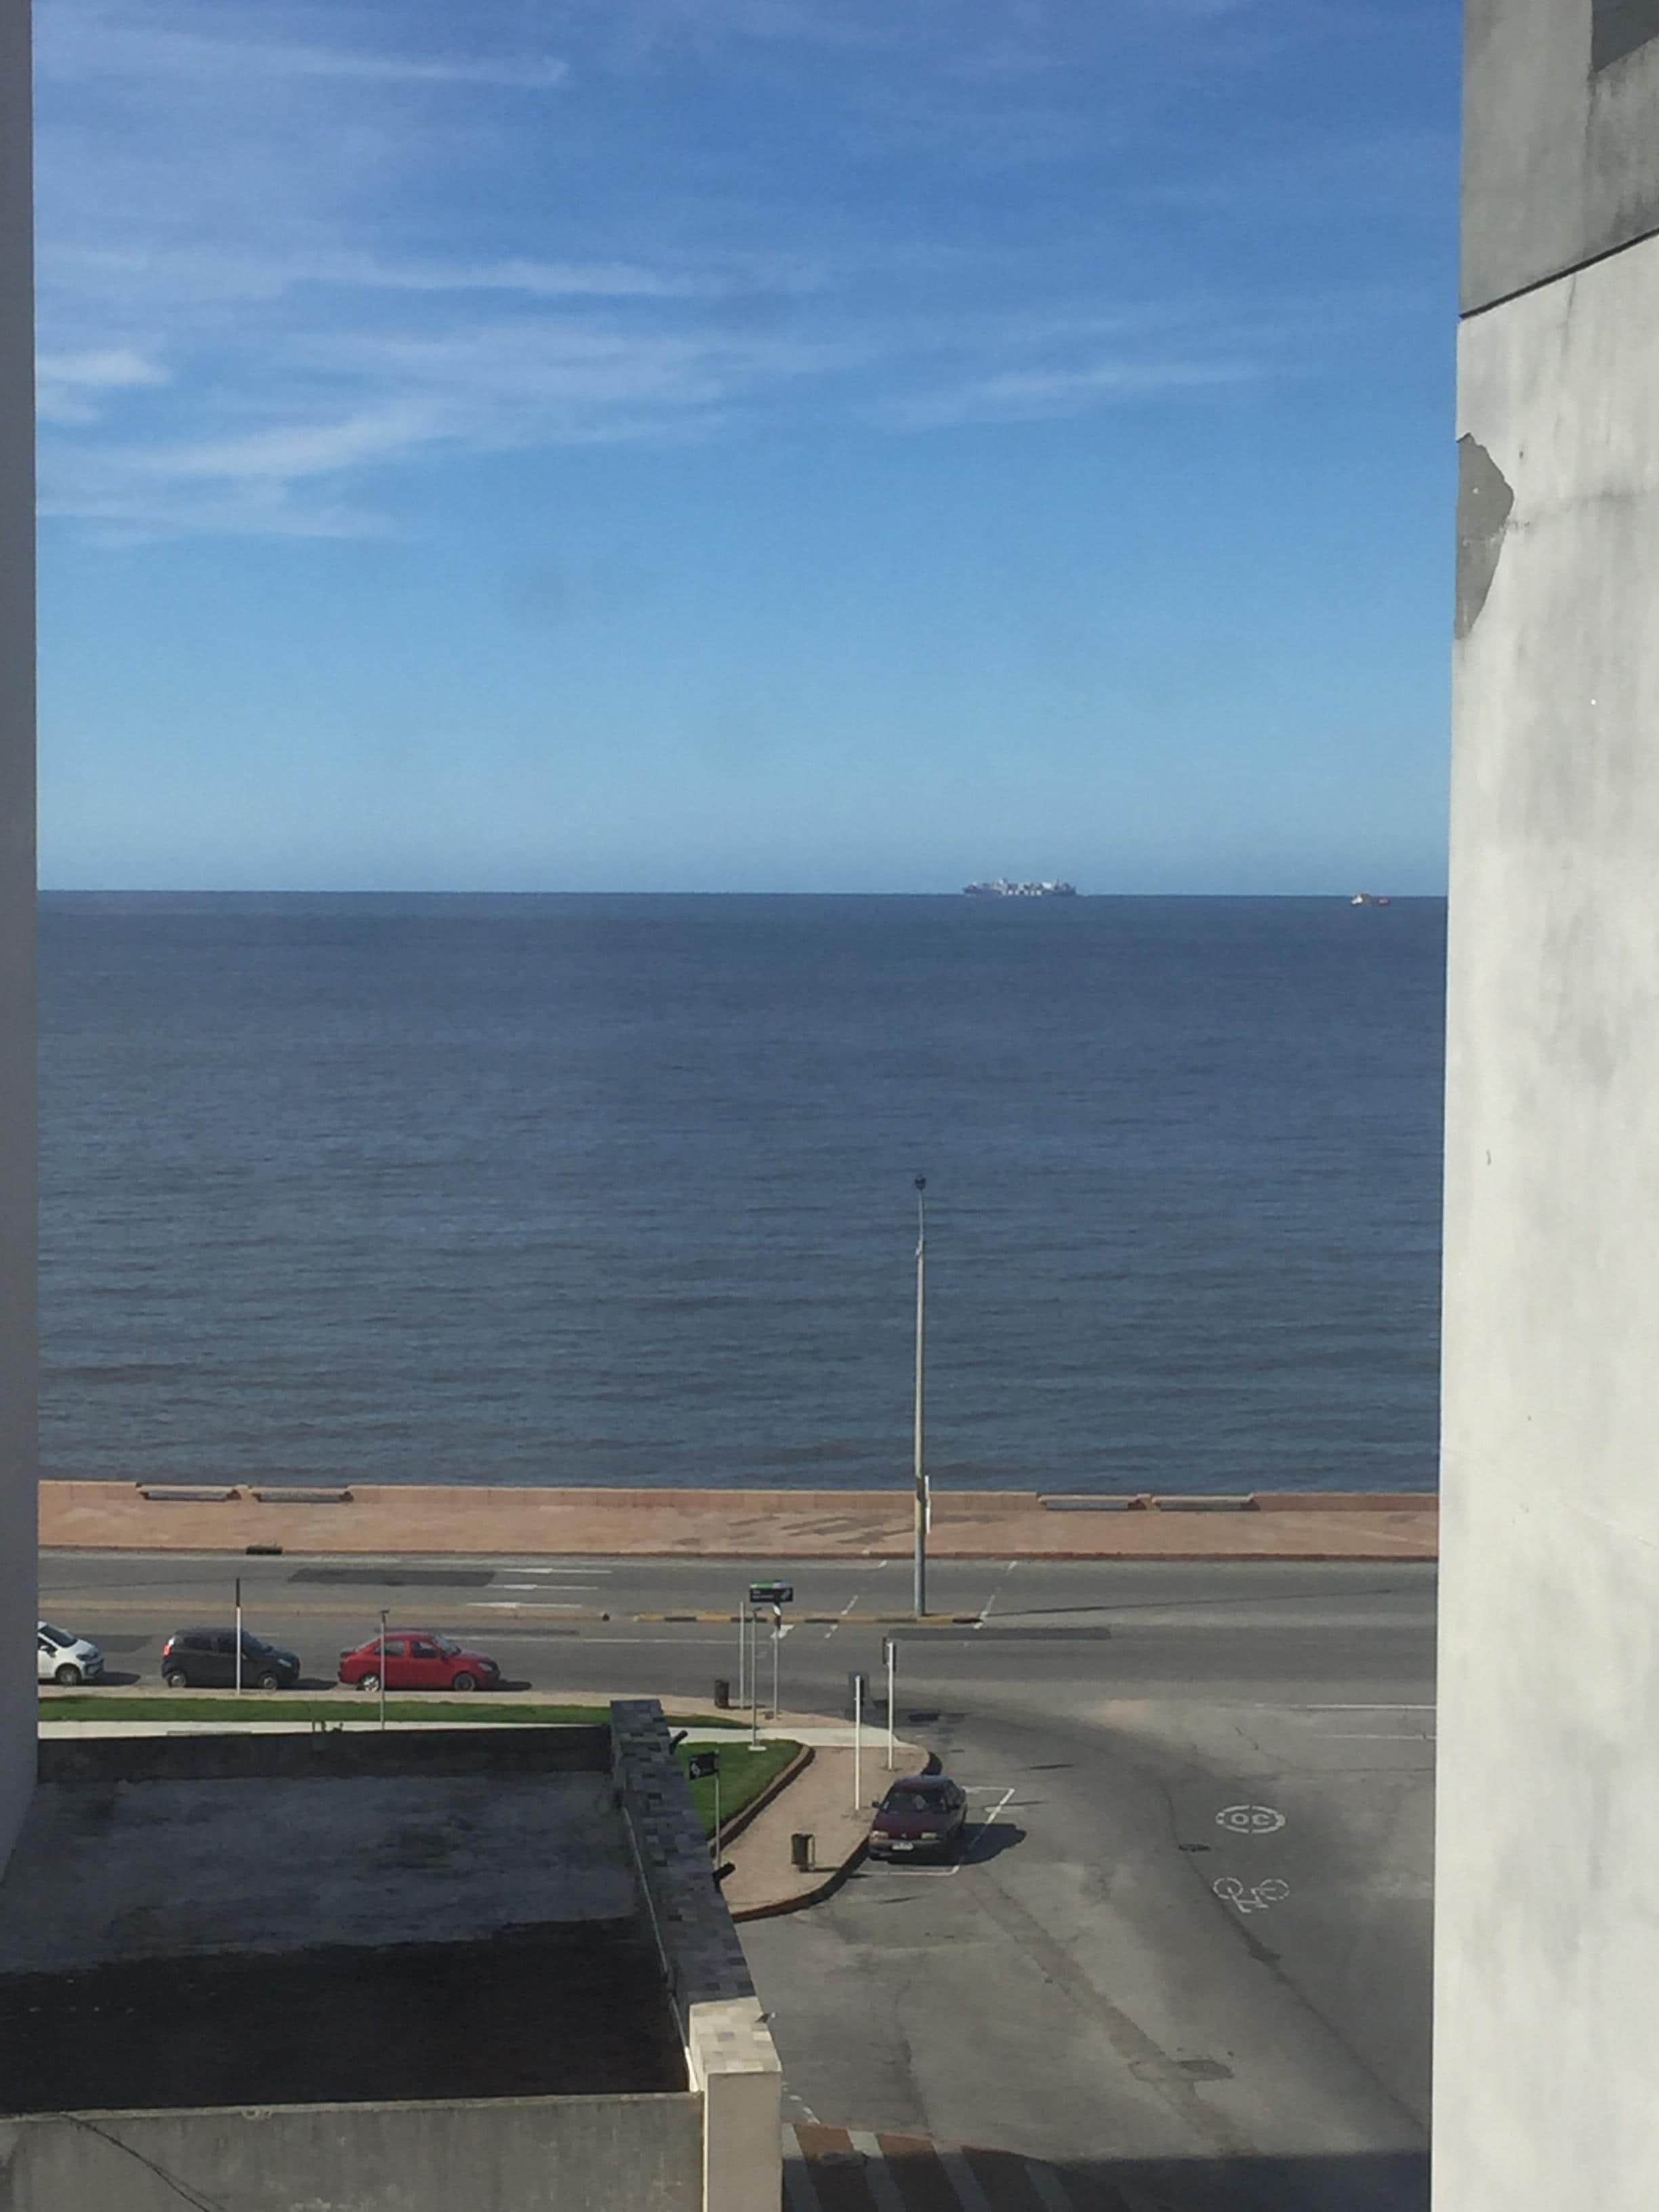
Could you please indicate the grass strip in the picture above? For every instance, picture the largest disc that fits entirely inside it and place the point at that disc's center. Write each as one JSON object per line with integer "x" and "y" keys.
{"x": 744, "y": 1774}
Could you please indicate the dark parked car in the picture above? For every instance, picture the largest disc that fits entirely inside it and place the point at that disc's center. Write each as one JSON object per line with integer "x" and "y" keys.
{"x": 922, "y": 1815}
{"x": 205, "y": 1659}
{"x": 416, "y": 1659}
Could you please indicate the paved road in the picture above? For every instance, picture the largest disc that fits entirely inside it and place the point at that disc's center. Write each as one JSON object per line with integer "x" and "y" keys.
{"x": 1186, "y": 1959}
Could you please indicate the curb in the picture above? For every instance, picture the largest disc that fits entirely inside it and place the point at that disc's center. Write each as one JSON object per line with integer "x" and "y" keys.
{"x": 732, "y": 1829}
{"x": 774, "y": 1908}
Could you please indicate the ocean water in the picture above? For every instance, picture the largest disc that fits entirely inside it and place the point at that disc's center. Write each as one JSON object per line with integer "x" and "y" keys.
{"x": 620, "y": 1190}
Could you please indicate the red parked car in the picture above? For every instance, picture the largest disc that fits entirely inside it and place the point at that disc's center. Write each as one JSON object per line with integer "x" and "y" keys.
{"x": 416, "y": 1659}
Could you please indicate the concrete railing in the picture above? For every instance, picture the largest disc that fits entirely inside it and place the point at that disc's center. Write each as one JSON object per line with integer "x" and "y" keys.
{"x": 635, "y": 2153}
{"x": 731, "y": 2059}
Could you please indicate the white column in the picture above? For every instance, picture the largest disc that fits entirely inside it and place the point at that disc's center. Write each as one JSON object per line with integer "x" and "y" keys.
{"x": 1546, "y": 2019}
{"x": 18, "y": 1450}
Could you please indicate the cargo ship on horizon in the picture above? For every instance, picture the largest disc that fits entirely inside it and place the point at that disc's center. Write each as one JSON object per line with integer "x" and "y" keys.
{"x": 999, "y": 887}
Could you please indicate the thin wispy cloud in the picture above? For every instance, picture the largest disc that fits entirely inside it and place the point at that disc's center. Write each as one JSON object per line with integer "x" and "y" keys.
{"x": 1040, "y": 395}
{"x": 288, "y": 249}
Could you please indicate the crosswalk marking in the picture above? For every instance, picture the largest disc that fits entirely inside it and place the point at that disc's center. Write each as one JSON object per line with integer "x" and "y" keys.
{"x": 1051, "y": 2194}
{"x": 828, "y": 2169}
{"x": 965, "y": 2182}
{"x": 877, "y": 2174}
{"x": 797, "y": 2180}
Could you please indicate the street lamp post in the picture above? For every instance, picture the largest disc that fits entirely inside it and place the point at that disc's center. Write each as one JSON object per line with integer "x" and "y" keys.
{"x": 922, "y": 1510}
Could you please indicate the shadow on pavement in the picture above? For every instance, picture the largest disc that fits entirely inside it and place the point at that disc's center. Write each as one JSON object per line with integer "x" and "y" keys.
{"x": 1377, "y": 2181}
{"x": 990, "y": 1840}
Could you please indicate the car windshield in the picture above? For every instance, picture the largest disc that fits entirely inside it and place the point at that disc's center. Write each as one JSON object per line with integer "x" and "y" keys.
{"x": 252, "y": 1643}
{"x": 450, "y": 1651}
{"x": 56, "y": 1636}
{"x": 911, "y": 1801}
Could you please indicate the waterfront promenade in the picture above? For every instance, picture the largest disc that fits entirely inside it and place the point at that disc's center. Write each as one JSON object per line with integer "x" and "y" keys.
{"x": 381, "y": 1518}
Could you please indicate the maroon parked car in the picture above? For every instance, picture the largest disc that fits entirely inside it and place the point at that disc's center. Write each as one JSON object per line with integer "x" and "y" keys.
{"x": 416, "y": 1659}
{"x": 921, "y": 1816}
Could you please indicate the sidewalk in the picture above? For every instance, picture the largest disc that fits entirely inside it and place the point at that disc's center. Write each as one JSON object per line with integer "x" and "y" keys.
{"x": 386, "y": 1520}
{"x": 830, "y": 1801}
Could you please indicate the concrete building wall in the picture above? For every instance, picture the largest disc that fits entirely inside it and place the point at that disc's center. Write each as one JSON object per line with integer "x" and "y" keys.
{"x": 17, "y": 1421}
{"x": 511, "y": 2154}
{"x": 730, "y": 2058}
{"x": 1547, "y": 2030}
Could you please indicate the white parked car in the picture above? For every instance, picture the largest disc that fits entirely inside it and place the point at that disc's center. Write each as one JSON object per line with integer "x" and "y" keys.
{"x": 61, "y": 1657}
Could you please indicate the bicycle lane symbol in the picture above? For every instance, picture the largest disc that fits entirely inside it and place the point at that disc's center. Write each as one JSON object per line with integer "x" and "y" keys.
{"x": 1250, "y": 1897}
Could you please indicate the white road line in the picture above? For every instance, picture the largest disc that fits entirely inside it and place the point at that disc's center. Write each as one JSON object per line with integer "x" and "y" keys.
{"x": 559, "y": 1567}
{"x": 518, "y": 1605}
{"x": 845, "y": 1610}
{"x": 1377, "y": 1735}
{"x": 985, "y": 1610}
{"x": 877, "y": 2174}
{"x": 1045, "y": 2184}
{"x": 797, "y": 2181}
{"x": 965, "y": 2182}
{"x": 1373, "y": 1708}
{"x": 659, "y": 1643}
{"x": 950, "y": 1873}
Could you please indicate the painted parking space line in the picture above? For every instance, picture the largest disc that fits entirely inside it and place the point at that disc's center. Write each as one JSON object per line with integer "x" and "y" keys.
{"x": 950, "y": 1873}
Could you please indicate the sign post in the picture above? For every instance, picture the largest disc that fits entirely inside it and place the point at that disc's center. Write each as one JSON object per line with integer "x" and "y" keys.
{"x": 892, "y": 1657}
{"x": 383, "y": 1667}
{"x": 924, "y": 1504}
{"x": 239, "y": 1636}
{"x": 777, "y": 1595}
{"x": 858, "y": 1742}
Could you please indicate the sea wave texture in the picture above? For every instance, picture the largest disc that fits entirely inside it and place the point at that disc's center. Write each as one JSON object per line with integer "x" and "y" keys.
{"x": 620, "y": 1190}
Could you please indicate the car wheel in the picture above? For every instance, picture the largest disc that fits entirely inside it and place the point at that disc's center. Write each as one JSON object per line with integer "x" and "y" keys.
{"x": 368, "y": 1681}
{"x": 67, "y": 1677}
{"x": 462, "y": 1681}
{"x": 270, "y": 1681}
{"x": 174, "y": 1679}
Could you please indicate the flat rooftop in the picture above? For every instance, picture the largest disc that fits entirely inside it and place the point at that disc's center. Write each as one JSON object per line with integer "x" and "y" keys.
{"x": 327, "y": 1937}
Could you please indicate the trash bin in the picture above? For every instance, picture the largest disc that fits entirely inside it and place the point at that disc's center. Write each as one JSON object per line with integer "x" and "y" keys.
{"x": 722, "y": 1693}
{"x": 800, "y": 1851}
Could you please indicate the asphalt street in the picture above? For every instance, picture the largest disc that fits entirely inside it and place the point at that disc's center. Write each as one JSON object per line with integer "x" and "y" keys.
{"x": 1186, "y": 1956}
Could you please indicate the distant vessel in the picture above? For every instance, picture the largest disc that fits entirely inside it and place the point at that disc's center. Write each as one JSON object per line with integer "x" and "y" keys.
{"x": 1368, "y": 898}
{"x": 1002, "y": 888}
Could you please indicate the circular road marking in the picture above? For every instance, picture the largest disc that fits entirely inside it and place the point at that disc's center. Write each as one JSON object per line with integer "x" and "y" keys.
{"x": 1250, "y": 1819}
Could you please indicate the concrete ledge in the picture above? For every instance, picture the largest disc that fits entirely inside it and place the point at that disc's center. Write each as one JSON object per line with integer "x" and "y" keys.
{"x": 216, "y": 1755}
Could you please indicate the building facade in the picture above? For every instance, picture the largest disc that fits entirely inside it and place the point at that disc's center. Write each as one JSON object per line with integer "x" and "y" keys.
{"x": 1547, "y": 2025}
{"x": 17, "y": 1180}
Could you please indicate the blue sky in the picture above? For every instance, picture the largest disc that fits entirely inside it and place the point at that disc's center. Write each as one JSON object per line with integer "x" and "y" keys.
{"x": 820, "y": 445}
